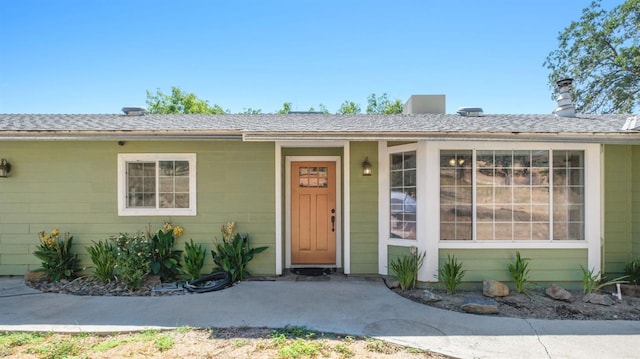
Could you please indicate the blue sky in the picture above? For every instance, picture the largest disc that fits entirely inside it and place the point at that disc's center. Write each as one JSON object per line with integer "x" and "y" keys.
{"x": 97, "y": 56}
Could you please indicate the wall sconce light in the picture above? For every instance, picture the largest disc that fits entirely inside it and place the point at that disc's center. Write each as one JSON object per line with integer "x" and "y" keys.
{"x": 5, "y": 168}
{"x": 366, "y": 167}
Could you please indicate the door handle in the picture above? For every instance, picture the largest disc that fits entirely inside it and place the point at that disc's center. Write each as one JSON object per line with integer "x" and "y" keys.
{"x": 333, "y": 220}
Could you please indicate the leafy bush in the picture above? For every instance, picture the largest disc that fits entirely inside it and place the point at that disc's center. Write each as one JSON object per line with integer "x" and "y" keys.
{"x": 133, "y": 259}
{"x": 103, "y": 256}
{"x": 58, "y": 262}
{"x": 594, "y": 282}
{"x": 165, "y": 260}
{"x": 234, "y": 252}
{"x": 193, "y": 260}
{"x": 451, "y": 274}
{"x": 632, "y": 270}
{"x": 519, "y": 272}
{"x": 406, "y": 268}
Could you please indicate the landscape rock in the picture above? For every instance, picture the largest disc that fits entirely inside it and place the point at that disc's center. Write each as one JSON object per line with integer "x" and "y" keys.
{"x": 479, "y": 305}
{"x": 559, "y": 293}
{"x": 392, "y": 282}
{"x": 430, "y": 296}
{"x": 601, "y": 299}
{"x": 493, "y": 288}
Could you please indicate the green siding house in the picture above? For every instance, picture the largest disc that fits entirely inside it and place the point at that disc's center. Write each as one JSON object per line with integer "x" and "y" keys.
{"x": 564, "y": 191}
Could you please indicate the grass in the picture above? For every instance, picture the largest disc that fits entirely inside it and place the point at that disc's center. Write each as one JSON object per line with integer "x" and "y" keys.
{"x": 288, "y": 342}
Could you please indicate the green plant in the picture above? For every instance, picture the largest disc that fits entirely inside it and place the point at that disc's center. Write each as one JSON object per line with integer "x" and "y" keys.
{"x": 163, "y": 343}
{"x": 234, "y": 252}
{"x": 592, "y": 282}
{"x": 451, "y": 274}
{"x": 133, "y": 259}
{"x": 165, "y": 260}
{"x": 193, "y": 260}
{"x": 58, "y": 261}
{"x": 406, "y": 268}
{"x": 632, "y": 270}
{"x": 103, "y": 256}
{"x": 519, "y": 272}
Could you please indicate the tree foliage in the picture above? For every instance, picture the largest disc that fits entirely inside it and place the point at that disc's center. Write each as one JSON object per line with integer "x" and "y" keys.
{"x": 179, "y": 102}
{"x": 601, "y": 52}
{"x": 381, "y": 104}
{"x": 286, "y": 108}
{"x": 349, "y": 108}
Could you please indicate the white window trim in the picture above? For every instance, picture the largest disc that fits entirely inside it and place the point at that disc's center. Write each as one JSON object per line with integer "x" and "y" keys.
{"x": 428, "y": 210}
{"x": 593, "y": 199}
{"x": 124, "y": 158}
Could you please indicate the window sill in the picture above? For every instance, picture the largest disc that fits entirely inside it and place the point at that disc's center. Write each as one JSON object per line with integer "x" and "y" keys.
{"x": 566, "y": 244}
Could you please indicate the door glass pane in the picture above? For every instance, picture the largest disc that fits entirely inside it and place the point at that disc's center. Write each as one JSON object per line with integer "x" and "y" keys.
{"x": 403, "y": 195}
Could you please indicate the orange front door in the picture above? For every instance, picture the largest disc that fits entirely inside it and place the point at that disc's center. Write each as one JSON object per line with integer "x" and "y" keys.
{"x": 313, "y": 213}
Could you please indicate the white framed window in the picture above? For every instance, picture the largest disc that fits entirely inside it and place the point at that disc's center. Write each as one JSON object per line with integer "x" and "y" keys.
{"x": 157, "y": 184}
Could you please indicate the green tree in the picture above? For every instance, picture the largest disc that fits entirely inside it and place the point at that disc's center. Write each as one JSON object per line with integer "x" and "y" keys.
{"x": 179, "y": 102}
{"x": 601, "y": 52}
{"x": 251, "y": 111}
{"x": 321, "y": 108}
{"x": 381, "y": 104}
{"x": 349, "y": 107}
{"x": 286, "y": 108}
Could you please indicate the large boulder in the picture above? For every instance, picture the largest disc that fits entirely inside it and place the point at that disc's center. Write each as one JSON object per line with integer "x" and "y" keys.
{"x": 559, "y": 293}
{"x": 479, "y": 305}
{"x": 493, "y": 288}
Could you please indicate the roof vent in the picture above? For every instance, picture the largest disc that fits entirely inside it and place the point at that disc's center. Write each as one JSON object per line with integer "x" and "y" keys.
{"x": 470, "y": 111}
{"x": 134, "y": 111}
{"x": 631, "y": 124}
{"x": 565, "y": 107}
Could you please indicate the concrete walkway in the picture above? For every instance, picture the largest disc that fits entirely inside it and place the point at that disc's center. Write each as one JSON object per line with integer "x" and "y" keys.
{"x": 354, "y": 306}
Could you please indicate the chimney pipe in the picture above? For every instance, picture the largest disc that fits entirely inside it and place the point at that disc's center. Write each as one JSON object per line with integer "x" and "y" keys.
{"x": 565, "y": 108}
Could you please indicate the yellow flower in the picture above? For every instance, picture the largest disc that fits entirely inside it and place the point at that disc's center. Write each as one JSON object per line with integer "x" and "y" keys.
{"x": 177, "y": 231}
{"x": 168, "y": 226}
{"x": 55, "y": 232}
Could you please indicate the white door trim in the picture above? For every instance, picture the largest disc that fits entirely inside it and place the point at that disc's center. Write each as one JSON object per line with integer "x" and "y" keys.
{"x": 287, "y": 177}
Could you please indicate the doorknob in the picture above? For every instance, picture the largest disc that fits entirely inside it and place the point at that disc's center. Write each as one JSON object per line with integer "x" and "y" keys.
{"x": 333, "y": 220}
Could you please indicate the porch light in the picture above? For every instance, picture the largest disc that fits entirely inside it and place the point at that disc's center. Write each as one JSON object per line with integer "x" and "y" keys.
{"x": 5, "y": 168}
{"x": 366, "y": 167}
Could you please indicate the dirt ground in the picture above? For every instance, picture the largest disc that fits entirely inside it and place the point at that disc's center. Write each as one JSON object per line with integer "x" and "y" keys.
{"x": 536, "y": 304}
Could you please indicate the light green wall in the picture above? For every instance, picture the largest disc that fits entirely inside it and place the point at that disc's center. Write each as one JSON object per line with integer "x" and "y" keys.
{"x": 364, "y": 209}
{"x": 545, "y": 265}
{"x": 621, "y": 213}
{"x": 73, "y": 186}
{"x": 635, "y": 202}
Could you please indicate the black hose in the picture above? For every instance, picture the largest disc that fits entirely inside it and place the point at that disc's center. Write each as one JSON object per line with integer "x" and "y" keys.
{"x": 209, "y": 283}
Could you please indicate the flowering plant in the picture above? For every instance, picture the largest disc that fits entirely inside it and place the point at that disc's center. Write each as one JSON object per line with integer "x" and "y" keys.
{"x": 58, "y": 262}
{"x": 233, "y": 253}
{"x": 165, "y": 260}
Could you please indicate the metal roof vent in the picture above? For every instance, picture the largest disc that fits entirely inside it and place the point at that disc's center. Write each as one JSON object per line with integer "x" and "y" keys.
{"x": 631, "y": 124}
{"x": 134, "y": 111}
{"x": 565, "y": 108}
{"x": 470, "y": 111}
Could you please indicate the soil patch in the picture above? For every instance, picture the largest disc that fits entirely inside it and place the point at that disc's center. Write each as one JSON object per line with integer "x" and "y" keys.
{"x": 535, "y": 304}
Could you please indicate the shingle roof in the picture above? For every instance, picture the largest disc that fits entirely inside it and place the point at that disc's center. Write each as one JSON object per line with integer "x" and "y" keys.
{"x": 314, "y": 125}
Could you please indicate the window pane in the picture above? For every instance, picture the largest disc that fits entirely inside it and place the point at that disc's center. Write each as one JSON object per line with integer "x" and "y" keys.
{"x": 456, "y": 194}
{"x": 141, "y": 185}
{"x": 568, "y": 195}
{"x": 403, "y": 195}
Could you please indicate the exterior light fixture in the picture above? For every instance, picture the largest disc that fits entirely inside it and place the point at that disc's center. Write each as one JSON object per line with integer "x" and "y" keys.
{"x": 366, "y": 167}
{"x": 5, "y": 168}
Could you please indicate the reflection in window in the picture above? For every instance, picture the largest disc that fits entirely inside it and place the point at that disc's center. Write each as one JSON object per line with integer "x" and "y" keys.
{"x": 172, "y": 181}
{"x": 313, "y": 177}
{"x": 403, "y": 195}
{"x": 516, "y": 197}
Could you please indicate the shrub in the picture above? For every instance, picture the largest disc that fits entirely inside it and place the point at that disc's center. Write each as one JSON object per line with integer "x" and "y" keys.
{"x": 406, "y": 268}
{"x": 133, "y": 259}
{"x": 593, "y": 282}
{"x": 58, "y": 262}
{"x": 193, "y": 260}
{"x": 234, "y": 252}
{"x": 632, "y": 270}
{"x": 519, "y": 272}
{"x": 451, "y": 274}
{"x": 165, "y": 260}
{"x": 103, "y": 256}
